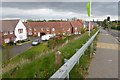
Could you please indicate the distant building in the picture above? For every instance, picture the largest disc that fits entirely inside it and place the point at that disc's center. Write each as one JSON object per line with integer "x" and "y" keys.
{"x": 12, "y": 30}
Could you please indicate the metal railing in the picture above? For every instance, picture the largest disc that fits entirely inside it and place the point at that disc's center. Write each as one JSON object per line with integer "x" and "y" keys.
{"x": 63, "y": 71}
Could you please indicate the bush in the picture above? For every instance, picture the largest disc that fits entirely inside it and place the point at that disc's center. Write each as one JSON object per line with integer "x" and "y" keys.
{"x": 19, "y": 41}
{"x": 82, "y": 30}
{"x": 52, "y": 43}
{"x": 11, "y": 43}
{"x": 118, "y": 27}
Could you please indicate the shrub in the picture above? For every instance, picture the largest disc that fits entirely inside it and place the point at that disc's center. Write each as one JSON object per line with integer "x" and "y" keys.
{"x": 11, "y": 43}
{"x": 118, "y": 27}
{"x": 19, "y": 41}
{"x": 82, "y": 30}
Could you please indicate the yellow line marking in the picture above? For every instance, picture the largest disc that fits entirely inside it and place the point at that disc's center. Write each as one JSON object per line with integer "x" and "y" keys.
{"x": 107, "y": 45}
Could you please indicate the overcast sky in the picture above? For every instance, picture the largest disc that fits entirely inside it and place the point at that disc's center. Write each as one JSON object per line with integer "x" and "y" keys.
{"x": 58, "y": 10}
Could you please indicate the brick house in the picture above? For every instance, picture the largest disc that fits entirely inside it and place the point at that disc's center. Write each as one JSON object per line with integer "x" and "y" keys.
{"x": 37, "y": 28}
{"x": 66, "y": 28}
{"x": 12, "y": 30}
{"x": 55, "y": 28}
{"x": 60, "y": 28}
{"x": 76, "y": 25}
{"x": 42, "y": 28}
{"x": 92, "y": 25}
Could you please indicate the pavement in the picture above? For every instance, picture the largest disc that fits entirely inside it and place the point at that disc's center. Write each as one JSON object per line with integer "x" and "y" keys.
{"x": 105, "y": 62}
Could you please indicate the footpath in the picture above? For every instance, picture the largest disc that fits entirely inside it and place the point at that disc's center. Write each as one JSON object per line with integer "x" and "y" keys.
{"x": 105, "y": 62}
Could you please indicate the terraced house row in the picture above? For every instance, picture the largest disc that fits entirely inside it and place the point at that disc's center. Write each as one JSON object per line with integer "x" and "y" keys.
{"x": 56, "y": 28}
{"x": 14, "y": 30}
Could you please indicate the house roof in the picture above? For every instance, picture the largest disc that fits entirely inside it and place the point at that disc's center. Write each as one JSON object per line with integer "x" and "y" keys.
{"x": 36, "y": 25}
{"x": 8, "y": 25}
{"x": 76, "y": 23}
{"x": 57, "y": 25}
{"x": 66, "y": 25}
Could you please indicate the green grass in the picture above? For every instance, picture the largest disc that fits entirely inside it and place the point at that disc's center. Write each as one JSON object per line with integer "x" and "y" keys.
{"x": 44, "y": 66}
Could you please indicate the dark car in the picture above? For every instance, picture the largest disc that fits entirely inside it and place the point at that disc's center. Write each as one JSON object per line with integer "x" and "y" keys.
{"x": 36, "y": 42}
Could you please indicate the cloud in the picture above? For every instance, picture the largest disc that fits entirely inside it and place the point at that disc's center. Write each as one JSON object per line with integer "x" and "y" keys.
{"x": 59, "y": 0}
{"x": 57, "y": 10}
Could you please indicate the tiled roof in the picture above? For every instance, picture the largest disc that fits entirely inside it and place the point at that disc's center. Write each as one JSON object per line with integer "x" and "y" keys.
{"x": 35, "y": 24}
{"x": 59, "y": 26}
{"x": 76, "y": 24}
{"x": 8, "y": 25}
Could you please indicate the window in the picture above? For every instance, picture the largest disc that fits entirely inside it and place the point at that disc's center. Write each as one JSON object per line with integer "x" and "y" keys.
{"x": 20, "y": 30}
{"x": 5, "y": 33}
{"x": 30, "y": 33}
{"x": 75, "y": 28}
{"x": 34, "y": 32}
{"x": 68, "y": 29}
{"x": 53, "y": 29}
{"x": 47, "y": 29}
{"x": 34, "y": 29}
{"x": 7, "y": 40}
{"x": 30, "y": 29}
{"x": 11, "y": 32}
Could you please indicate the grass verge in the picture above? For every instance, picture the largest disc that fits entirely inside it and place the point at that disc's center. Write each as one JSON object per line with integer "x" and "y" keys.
{"x": 44, "y": 66}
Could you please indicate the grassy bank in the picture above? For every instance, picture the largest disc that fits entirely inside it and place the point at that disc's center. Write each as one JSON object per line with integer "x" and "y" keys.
{"x": 44, "y": 67}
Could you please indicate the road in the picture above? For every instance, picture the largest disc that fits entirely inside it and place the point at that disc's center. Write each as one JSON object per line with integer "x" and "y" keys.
{"x": 105, "y": 62}
{"x": 12, "y": 51}
{"x": 115, "y": 33}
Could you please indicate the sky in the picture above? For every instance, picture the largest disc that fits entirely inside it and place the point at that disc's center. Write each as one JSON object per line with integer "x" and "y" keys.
{"x": 58, "y": 10}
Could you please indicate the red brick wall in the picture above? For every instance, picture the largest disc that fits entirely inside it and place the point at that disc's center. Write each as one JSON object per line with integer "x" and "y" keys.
{"x": 3, "y": 37}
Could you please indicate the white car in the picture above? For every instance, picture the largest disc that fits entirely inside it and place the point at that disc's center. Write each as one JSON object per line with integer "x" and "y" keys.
{"x": 46, "y": 37}
{"x": 36, "y": 42}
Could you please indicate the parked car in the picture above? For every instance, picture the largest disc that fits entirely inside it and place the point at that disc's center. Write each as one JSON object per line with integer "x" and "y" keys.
{"x": 36, "y": 42}
{"x": 46, "y": 37}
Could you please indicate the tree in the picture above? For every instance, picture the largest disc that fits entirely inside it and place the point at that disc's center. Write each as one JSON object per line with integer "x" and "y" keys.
{"x": 104, "y": 24}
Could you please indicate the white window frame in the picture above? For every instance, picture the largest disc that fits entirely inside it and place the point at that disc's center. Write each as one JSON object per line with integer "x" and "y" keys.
{"x": 29, "y": 33}
{"x": 68, "y": 29}
{"x": 53, "y": 29}
{"x": 30, "y": 29}
{"x": 35, "y": 33}
{"x": 7, "y": 40}
{"x": 34, "y": 29}
{"x": 75, "y": 28}
{"x": 11, "y": 32}
{"x": 47, "y": 29}
{"x": 5, "y": 33}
